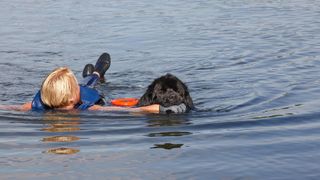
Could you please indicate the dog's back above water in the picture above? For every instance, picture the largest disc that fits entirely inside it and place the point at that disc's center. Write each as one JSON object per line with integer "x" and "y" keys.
{"x": 167, "y": 91}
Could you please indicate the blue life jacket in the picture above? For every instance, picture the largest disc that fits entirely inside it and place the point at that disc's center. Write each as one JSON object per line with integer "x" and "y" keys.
{"x": 88, "y": 98}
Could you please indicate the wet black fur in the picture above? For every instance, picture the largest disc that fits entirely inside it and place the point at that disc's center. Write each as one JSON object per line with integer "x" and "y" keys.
{"x": 167, "y": 90}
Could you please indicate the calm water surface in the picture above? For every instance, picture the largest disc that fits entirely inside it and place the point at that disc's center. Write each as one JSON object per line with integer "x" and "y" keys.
{"x": 252, "y": 68}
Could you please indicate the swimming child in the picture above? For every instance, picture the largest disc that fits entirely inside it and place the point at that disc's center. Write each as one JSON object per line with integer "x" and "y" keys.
{"x": 61, "y": 91}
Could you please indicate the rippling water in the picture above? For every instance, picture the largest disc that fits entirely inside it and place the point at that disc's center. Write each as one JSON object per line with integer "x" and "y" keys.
{"x": 252, "y": 68}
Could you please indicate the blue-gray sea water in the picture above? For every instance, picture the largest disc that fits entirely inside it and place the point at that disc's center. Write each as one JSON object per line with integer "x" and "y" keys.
{"x": 252, "y": 67}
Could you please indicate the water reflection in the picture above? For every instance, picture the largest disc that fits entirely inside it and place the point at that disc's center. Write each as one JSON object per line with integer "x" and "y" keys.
{"x": 61, "y": 128}
{"x": 59, "y": 122}
{"x": 171, "y": 122}
{"x": 168, "y": 134}
{"x": 167, "y": 146}
{"x": 168, "y": 121}
{"x": 60, "y": 139}
{"x": 62, "y": 150}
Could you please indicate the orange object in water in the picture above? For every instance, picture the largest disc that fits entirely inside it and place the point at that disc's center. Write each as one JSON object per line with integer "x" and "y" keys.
{"x": 125, "y": 101}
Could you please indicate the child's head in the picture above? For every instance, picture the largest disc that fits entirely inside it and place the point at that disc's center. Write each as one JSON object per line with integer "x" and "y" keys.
{"x": 60, "y": 89}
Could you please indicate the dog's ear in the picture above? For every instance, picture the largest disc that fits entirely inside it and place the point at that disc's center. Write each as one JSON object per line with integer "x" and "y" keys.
{"x": 184, "y": 91}
{"x": 146, "y": 99}
{"x": 188, "y": 101}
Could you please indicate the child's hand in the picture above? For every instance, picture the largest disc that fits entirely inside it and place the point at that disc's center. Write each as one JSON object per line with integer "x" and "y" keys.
{"x": 24, "y": 107}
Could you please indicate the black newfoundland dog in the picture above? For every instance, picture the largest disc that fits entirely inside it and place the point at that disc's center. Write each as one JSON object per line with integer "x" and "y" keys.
{"x": 167, "y": 91}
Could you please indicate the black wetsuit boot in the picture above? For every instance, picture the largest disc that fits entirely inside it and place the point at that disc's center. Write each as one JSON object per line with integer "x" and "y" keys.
{"x": 88, "y": 70}
{"x": 102, "y": 65}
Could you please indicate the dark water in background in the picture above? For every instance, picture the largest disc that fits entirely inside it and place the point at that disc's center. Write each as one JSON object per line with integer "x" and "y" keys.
{"x": 252, "y": 68}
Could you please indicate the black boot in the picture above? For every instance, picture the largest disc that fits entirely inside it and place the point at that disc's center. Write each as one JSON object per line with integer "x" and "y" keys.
{"x": 88, "y": 70}
{"x": 102, "y": 64}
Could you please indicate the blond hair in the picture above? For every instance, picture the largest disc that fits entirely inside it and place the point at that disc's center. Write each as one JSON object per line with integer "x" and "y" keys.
{"x": 59, "y": 87}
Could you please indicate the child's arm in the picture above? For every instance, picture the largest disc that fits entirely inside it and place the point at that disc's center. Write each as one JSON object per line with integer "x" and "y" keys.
{"x": 155, "y": 108}
{"x": 24, "y": 107}
{"x": 149, "y": 109}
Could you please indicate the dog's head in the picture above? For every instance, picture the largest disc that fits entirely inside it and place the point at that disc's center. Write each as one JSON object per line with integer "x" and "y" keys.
{"x": 167, "y": 91}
